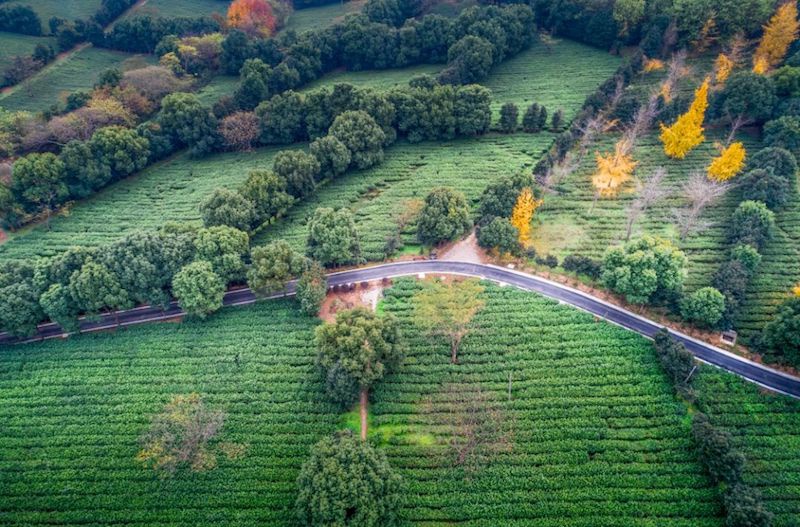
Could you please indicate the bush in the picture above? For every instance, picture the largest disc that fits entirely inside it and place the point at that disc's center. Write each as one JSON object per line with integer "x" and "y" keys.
{"x": 752, "y": 223}
{"x": 499, "y": 235}
{"x": 704, "y": 307}
{"x": 584, "y": 265}
{"x": 716, "y": 451}
{"x": 444, "y": 217}
{"x": 675, "y": 359}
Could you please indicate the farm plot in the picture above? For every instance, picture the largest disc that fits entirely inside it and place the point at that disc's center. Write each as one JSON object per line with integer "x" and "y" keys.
{"x": 72, "y": 413}
{"x": 76, "y": 71}
{"x": 179, "y": 8}
{"x": 573, "y": 221}
{"x": 219, "y": 86}
{"x": 378, "y": 196}
{"x": 766, "y": 427}
{"x": 596, "y": 436}
{"x": 14, "y": 44}
{"x": 68, "y": 10}
{"x": 168, "y": 191}
{"x": 320, "y": 17}
{"x": 377, "y": 79}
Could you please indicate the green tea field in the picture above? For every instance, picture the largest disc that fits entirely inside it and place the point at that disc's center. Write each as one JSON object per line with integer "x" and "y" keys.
{"x": 13, "y": 44}
{"x": 68, "y": 10}
{"x": 178, "y": 8}
{"x": 319, "y": 17}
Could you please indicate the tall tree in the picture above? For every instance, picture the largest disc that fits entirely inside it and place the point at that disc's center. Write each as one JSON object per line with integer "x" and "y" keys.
{"x": 332, "y": 237}
{"x": 523, "y": 212}
{"x": 273, "y": 265}
{"x": 447, "y": 309}
{"x": 199, "y": 289}
{"x": 444, "y": 217}
{"x": 687, "y": 132}
{"x": 779, "y": 34}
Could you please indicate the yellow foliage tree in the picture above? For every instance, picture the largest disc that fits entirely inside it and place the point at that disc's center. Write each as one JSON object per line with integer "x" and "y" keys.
{"x": 687, "y": 132}
{"x": 653, "y": 65}
{"x": 523, "y": 214}
{"x": 728, "y": 164}
{"x": 613, "y": 170}
{"x": 796, "y": 290}
{"x": 779, "y": 33}
{"x": 723, "y": 67}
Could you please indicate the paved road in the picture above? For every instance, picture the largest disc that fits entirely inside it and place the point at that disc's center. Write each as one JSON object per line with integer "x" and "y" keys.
{"x": 757, "y": 373}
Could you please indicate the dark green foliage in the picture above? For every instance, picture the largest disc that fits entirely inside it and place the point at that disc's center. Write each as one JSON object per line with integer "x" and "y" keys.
{"x": 254, "y": 85}
{"x": 781, "y": 335}
{"x": 187, "y": 122}
{"x": 20, "y": 19}
{"x": 557, "y": 122}
{"x": 744, "y": 508}
{"x": 716, "y": 451}
{"x": 267, "y": 192}
{"x": 332, "y": 237}
{"x": 499, "y": 235}
{"x": 109, "y": 78}
{"x": 299, "y": 169}
{"x": 584, "y": 265}
{"x": 444, "y": 217}
{"x": 273, "y": 265}
{"x": 281, "y": 118}
{"x": 228, "y": 207}
{"x": 347, "y": 482}
{"x": 765, "y": 186}
{"x": 531, "y": 121}
{"x": 781, "y": 161}
{"x": 225, "y": 249}
{"x": 469, "y": 60}
{"x": 333, "y": 156}
{"x": 472, "y": 110}
{"x": 787, "y": 81}
{"x": 95, "y": 288}
{"x": 509, "y": 117}
{"x": 748, "y": 97}
{"x": 362, "y": 136}
{"x": 499, "y": 198}
{"x": 704, "y": 307}
{"x": 746, "y": 255}
{"x": 19, "y": 309}
{"x": 676, "y": 360}
{"x": 311, "y": 289}
{"x": 37, "y": 182}
{"x": 199, "y": 289}
{"x": 731, "y": 279}
{"x": 783, "y": 132}
{"x": 752, "y": 223}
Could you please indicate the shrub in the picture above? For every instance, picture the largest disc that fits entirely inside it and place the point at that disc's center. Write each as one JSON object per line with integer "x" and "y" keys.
{"x": 199, "y": 289}
{"x": 499, "y": 235}
{"x": 752, "y": 223}
{"x": 584, "y": 265}
{"x": 704, "y": 307}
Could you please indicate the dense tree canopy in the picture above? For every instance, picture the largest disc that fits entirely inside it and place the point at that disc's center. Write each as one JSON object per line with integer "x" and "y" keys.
{"x": 332, "y": 237}
{"x": 273, "y": 265}
{"x": 199, "y": 289}
{"x": 644, "y": 270}
{"x": 444, "y": 217}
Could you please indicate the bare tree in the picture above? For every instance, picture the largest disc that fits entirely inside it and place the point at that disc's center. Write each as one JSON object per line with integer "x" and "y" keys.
{"x": 560, "y": 171}
{"x": 700, "y": 192}
{"x": 479, "y": 428}
{"x": 240, "y": 130}
{"x": 651, "y": 191}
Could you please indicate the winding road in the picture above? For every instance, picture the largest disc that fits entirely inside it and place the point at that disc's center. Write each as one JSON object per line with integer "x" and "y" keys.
{"x": 747, "y": 369}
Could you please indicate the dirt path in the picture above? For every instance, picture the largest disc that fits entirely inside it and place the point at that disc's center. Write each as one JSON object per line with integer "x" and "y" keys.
{"x": 465, "y": 250}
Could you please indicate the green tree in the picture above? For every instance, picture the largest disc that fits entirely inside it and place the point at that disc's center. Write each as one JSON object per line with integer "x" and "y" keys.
{"x": 557, "y": 122}
{"x": 531, "y": 121}
{"x": 254, "y": 86}
{"x": 470, "y": 59}
{"x": 704, "y": 307}
{"x": 311, "y": 289}
{"x": 744, "y": 507}
{"x": 95, "y": 288}
{"x": 37, "y": 182}
{"x": 716, "y": 451}
{"x": 121, "y": 149}
{"x": 752, "y": 223}
{"x": 267, "y": 192}
{"x": 362, "y": 136}
{"x": 224, "y": 248}
{"x": 332, "y": 154}
{"x": 499, "y": 235}
{"x": 644, "y": 270}
{"x": 187, "y": 122}
{"x": 273, "y": 265}
{"x": 347, "y": 482}
{"x": 281, "y": 118}
{"x": 332, "y": 237}
{"x": 444, "y": 217}
{"x": 228, "y": 207}
{"x": 354, "y": 353}
{"x": 747, "y": 98}
{"x": 299, "y": 169}
{"x": 199, "y": 289}
{"x": 499, "y": 198}
{"x": 472, "y": 110}
{"x": 764, "y": 185}
{"x": 783, "y": 132}
{"x": 19, "y": 309}
{"x": 60, "y": 307}
{"x": 781, "y": 335}
{"x": 509, "y": 117}
{"x": 677, "y": 361}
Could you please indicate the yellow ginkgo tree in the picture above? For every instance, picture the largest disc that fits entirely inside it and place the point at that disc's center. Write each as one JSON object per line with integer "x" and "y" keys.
{"x": 723, "y": 66}
{"x": 728, "y": 164}
{"x": 522, "y": 215}
{"x": 614, "y": 170}
{"x": 779, "y": 34}
{"x": 796, "y": 290}
{"x": 687, "y": 132}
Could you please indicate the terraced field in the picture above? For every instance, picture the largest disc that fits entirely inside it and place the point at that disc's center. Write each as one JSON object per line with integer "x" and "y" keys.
{"x": 323, "y": 16}
{"x": 766, "y": 427}
{"x": 14, "y": 44}
{"x": 219, "y": 86}
{"x": 378, "y": 195}
{"x": 69, "y": 9}
{"x": 178, "y": 8}
{"x": 377, "y": 79}
{"x": 76, "y": 71}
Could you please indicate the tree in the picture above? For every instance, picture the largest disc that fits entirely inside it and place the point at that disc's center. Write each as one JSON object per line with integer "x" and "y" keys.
{"x": 746, "y": 98}
{"x": 444, "y": 217}
{"x": 199, "y": 289}
{"x": 311, "y": 289}
{"x": 273, "y": 265}
{"x": 253, "y": 17}
{"x": 687, "y": 132}
{"x": 765, "y": 186}
{"x": 677, "y": 361}
{"x": 700, "y": 192}
{"x": 472, "y": 110}
{"x": 784, "y": 133}
{"x": 254, "y": 86}
{"x": 781, "y": 335}
{"x": 180, "y": 436}
{"x": 362, "y": 136}
{"x": 469, "y": 60}
{"x": 298, "y": 169}
{"x": 184, "y": 118}
{"x": 19, "y": 309}
{"x": 60, "y": 307}
{"x": 282, "y": 118}
{"x": 728, "y": 164}
{"x": 716, "y": 451}
{"x": 524, "y": 209}
{"x": 267, "y": 192}
{"x": 613, "y": 171}
{"x": 500, "y": 197}
{"x": 120, "y": 149}
{"x": 499, "y": 235}
{"x": 752, "y": 223}
{"x": 745, "y": 508}
{"x": 240, "y": 130}
{"x": 704, "y": 307}
{"x": 332, "y": 237}
{"x": 224, "y": 248}
{"x": 531, "y": 121}
{"x": 557, "y": 122}
{"x": 651, "y": 191}
{"x": 644, "y": 270}
{"x": 448, "y": 309}
{"x": 509, "y": 117}
{"x": 227, "y": 207}
{"x": 95, "y": 288}
{"x": 347, "y": 482}
{"x": 333, "y": 156}
{"x": 37, "y": 182}
{"x": 779, "y": 34}
{"x": 357, "y": 351}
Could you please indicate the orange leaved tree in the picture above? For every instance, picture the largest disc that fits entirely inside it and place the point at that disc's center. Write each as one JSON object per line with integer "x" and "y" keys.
{"x": 254, "y": 17}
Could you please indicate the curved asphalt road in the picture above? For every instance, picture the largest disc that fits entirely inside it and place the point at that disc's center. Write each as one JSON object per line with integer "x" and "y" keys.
{"x": 749, "y": 370}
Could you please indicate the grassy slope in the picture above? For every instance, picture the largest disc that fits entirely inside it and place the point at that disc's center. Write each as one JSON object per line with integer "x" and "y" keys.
{"x": 320, "y": 17}
{"x": 72, "y": 412}
{"x": 179, "y": 8}
{"x": 13, "y": 44}
{"x": 174, "y": 189}
{"x": 767, "y": 429}
{"x": 77, "y": 71}
{"x": 66, "y": 9}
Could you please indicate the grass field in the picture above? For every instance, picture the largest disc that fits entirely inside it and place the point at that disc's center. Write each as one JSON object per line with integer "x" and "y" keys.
{"x": 598, "y": 438}
{"x": 76, "y": 71}
{"x": 174, "y": 189}
{"x": 766, "y": 427}
{"x": 179, "y": 8}
{"x": 66, "y": 9}
{"x": 14, "y": 44}
{"x": 319, "y": 17}
{"x": 219, "y": 86}
{"x": 377, "y": 79}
